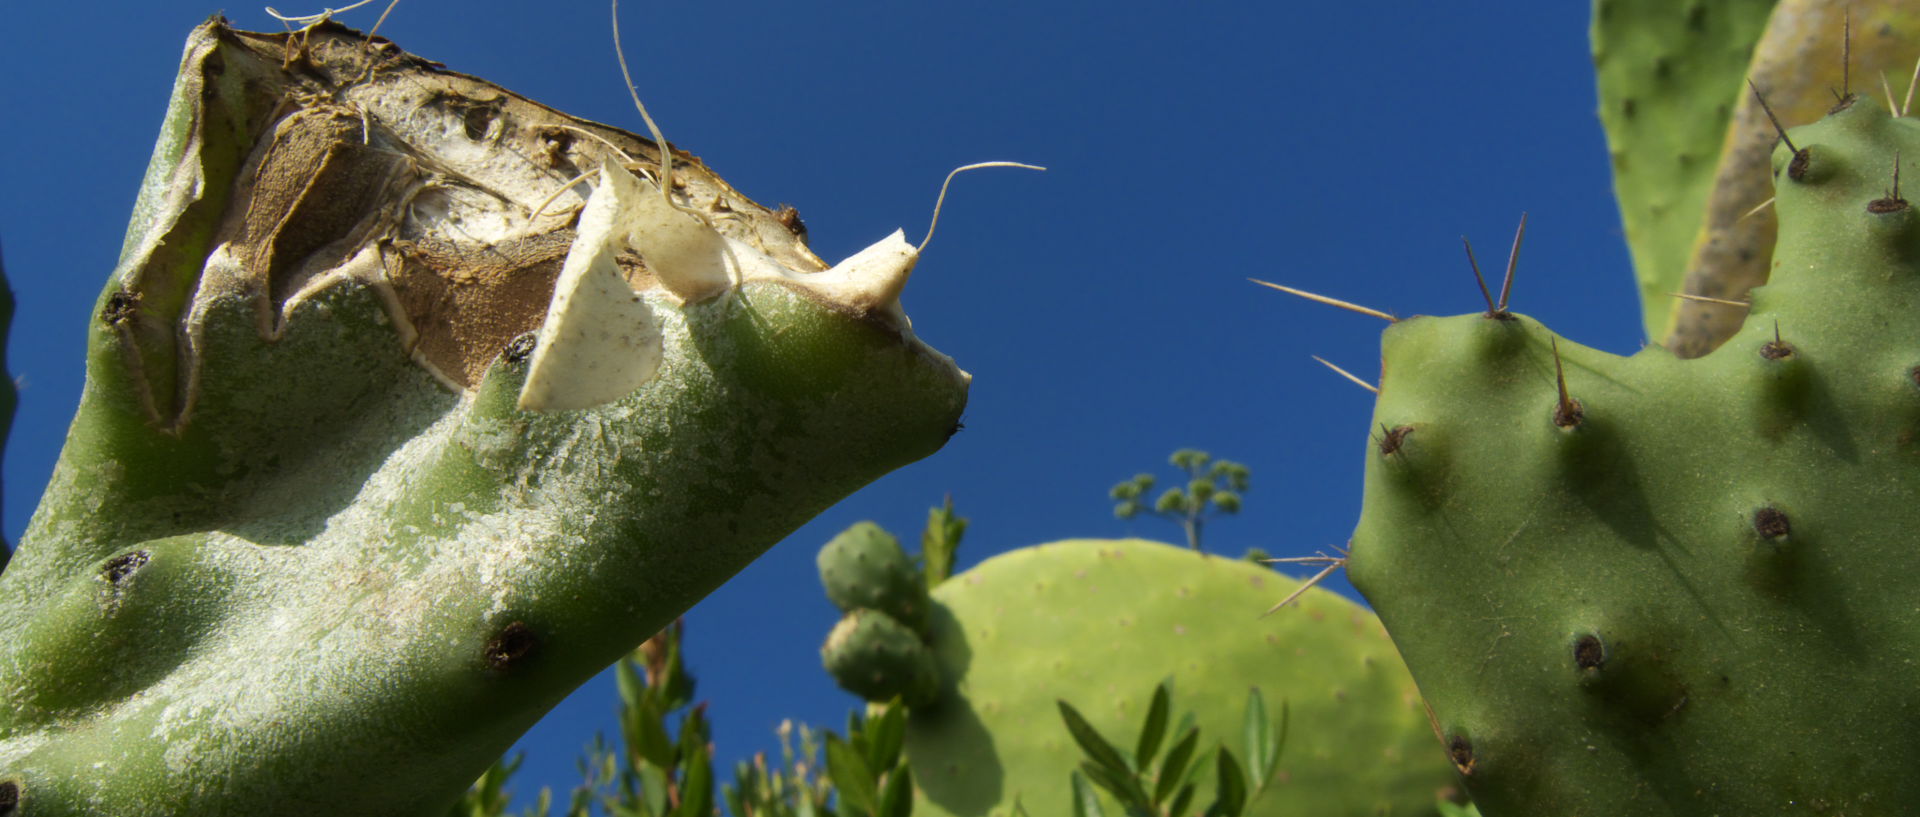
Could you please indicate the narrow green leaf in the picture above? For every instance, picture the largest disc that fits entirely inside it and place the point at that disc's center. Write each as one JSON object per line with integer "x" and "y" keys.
{"x": 650, "y": 739}
{"x": 1122, "y": 785}
{"x": 1154, "y": 730}
{"x": 1263, "y": 749}
{"x": 1279, "y": 746}
{"x": 1090, "y": 740}
{"x": 1196, "y": 768}
{"x": 1175, "y": 765}
{"x": 653, "y": 789}
{"x": 1086, "y": 803}
{"x": 1230, "y": 792}
{"x": 885, "y": 735}
{"x": 735, "y": 799}
{"x": 897, "y": 799}
{"x": 677, "y": 688}
{"x": 1181, "y": 800}
{"x": 696, "y": 786}
{"x": 632, "y": 687}
{"x": 851, "y": 776}
{"x": 940, "y": 540}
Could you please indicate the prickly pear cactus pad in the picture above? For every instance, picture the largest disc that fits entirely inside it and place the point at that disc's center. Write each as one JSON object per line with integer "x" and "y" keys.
{"x": 1674, "y": 587}
{"x": 1099, "y": 622}
{"x": 388, "y": 441}
{"x": 1670, "y": 74}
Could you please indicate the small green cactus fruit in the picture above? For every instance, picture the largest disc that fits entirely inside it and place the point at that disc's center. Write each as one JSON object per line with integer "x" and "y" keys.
{"x": 390, "y": 439}
{"x": 876, "y": 657}
{"x": 1674, "y": 587}
{"x": 865, "y": 567}
{"x": 1098, "y": 623}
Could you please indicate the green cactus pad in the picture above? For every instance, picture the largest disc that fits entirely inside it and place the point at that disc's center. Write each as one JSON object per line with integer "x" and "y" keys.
{"x": 876, "y": 657}
{"x": 315, "y": 544}
{"x": 1805, "y": 57}
{"x": 1670, "y": 74}
{"x": 864, "y": 567}
{"x": 1679, "y": 587}
{"x": 1099, "y": 622}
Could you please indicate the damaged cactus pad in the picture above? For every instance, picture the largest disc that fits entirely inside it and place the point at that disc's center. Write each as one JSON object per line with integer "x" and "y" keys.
{"x": 1656, "y": 586}
{"x": 389, "y": 440}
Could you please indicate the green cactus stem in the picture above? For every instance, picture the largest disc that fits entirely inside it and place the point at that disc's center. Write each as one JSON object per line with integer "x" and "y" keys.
{"x": 1675, "y": 587}
{"x": 387, "y": 442}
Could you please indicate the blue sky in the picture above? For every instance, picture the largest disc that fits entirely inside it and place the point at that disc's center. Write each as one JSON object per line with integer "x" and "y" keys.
{"x": 1102, "y": 306}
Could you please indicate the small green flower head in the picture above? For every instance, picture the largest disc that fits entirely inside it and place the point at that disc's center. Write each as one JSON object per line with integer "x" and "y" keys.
{"x": 1189, "y": 459}
{"x": 1231, "y": 474}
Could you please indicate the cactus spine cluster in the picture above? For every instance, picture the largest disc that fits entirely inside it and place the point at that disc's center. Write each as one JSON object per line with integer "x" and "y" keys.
{"x": 389, "y": 440}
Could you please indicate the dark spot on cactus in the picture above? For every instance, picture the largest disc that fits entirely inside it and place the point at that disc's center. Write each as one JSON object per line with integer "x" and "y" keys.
{"x": 1568, "y": 413}
{"x": 121, "y": 307}
{"x": 1776, "y": 349}
{"x": 9, "y": 796}
{"x": 1589, "y": 652}
{"x": 1394, "y": 438}
{"x": 510, "y": 647}
{"x": 1883, "y": 206}
{"x": 520, "y": 348}
{"x": 1802, "y": 161}
{"x": 790, "y": 219}
{"x": 1697, "y": 17}
{"x": 477, "y": 119}
{"x": 1771, "y": 523}
{"x": 1914, "y": 375}
{"x": 1844, "y": 103}
{"x": 1460, "y": 750}
{"x": 122, "y": 566}
{"x": 1627, "y": 107}
{"x": 1662, "y": 67}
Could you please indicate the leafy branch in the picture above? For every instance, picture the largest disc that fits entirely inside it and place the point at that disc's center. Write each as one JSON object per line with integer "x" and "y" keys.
{"x": 1146, "y": 789}
{"x": 1212, "y": 486}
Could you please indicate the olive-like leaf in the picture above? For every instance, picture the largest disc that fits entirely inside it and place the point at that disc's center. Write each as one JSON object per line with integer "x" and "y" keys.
{"x": 1091, "y": 742}
{"x": 1263, "y": 747}
{"x": 885, "y": 735}
{"x": 1230, "y": 792}
{"x": 851, "y": 776}
{"x": 1086, "y": 803}
{"x": 1154, "y": 730}
{"x": 896, "y": 800}
{"x": 1175, "y": 765}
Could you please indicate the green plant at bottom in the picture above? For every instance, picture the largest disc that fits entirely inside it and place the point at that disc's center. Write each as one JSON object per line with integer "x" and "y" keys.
{"x": 662, "y": 766}
{"x": 983, "y": 659}
{"x": 1145, "y": 789}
